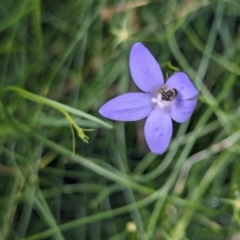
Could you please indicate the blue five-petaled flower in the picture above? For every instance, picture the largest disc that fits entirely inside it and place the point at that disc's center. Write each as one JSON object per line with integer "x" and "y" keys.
{"x": 176, "y": 99}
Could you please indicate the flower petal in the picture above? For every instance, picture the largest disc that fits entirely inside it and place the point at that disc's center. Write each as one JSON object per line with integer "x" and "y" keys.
{"x": 158, "y": 130}
{"x": 184, "y": 86}
{"x": 181, "y": 111}
{"x": 127, "y": 107}
{"x": 145, "y": 70}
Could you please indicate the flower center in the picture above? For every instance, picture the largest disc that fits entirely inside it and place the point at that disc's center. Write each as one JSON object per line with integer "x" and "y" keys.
{"x": 165, "y": 96}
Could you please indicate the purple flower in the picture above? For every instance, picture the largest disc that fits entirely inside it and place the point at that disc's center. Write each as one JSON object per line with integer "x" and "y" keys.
{"x": 176, "y": 99}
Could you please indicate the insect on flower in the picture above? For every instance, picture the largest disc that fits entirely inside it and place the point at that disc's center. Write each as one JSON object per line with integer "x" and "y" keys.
{"x": 159, "y": 102}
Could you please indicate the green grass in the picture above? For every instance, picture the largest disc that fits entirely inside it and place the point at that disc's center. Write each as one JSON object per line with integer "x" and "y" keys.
{"x": 60, "y": 61}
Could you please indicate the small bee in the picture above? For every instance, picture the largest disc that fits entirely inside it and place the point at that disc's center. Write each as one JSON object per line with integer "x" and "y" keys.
{"x": 168, "y": 94}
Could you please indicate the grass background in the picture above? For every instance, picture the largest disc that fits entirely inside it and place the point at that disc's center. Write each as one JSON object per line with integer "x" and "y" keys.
{"x": 59, "y": 62}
